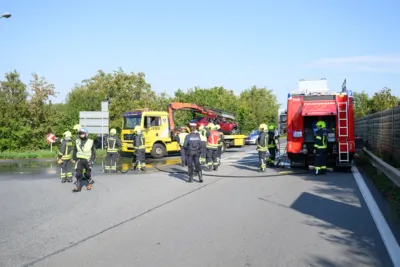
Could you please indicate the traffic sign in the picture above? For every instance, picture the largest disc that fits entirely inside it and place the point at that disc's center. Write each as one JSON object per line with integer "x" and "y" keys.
{"x": 50, "y": 138}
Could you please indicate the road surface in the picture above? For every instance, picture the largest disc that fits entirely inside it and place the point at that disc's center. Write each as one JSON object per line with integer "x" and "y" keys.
{"x": 235, "y": 218}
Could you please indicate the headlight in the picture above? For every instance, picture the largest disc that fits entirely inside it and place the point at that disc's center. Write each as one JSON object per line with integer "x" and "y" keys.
{"x": 297, "y": 134}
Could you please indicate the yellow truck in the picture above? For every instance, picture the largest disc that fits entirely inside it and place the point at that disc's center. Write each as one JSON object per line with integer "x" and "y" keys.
{"x": 158, "y": 128}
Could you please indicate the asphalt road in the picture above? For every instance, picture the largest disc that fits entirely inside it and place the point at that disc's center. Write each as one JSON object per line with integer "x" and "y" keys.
{"x": 236, "y": 218}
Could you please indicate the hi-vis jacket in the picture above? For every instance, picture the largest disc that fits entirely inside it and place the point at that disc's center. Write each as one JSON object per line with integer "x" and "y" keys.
{"x": 320, "y": 139}
{"x": 84, "y": 149}
{"x": 181, "y": 138}
{"x": 112, "y": 143}
{"x": 139, "y": 142}
{"x": 262, "y": 142}
{"x": 66, "y": 149}
{"x": 213, "y": 139}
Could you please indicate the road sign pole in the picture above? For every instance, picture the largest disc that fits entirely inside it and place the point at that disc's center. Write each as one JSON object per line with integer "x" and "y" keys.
{"x": 102, "y": 130}
{"x": 51, "y": 146}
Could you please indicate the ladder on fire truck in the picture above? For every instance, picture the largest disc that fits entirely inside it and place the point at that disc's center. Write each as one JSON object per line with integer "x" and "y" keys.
{"x": 343, "y": 119}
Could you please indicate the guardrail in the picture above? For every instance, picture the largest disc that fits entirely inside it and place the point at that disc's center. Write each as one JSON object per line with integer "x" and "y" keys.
{"x": 391, "y": 172}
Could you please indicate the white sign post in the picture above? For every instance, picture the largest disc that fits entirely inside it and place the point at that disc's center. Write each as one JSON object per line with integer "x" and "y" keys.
{"x": 96, "y": 121}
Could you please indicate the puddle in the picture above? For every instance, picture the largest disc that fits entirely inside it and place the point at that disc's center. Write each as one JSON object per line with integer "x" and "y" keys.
{"x": 26, "y": 167}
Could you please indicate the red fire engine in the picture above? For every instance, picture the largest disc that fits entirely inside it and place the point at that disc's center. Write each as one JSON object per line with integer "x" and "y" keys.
{"x": 336, "y": 110}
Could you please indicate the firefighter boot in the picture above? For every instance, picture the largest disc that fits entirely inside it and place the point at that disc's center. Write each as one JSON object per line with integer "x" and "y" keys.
{"x": 200, "y": 176}
{"x": 63, "y": 180}
{"x": 190, "y": 175}
{"x": 78, "y": 187}
{"x": 69, "y": 180}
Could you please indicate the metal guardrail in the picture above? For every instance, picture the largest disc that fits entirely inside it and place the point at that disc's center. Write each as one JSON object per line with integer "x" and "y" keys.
{"x": 391, "y": 172}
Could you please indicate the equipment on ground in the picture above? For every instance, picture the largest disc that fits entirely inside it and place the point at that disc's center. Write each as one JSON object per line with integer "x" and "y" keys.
{"x": 304, "y": 109}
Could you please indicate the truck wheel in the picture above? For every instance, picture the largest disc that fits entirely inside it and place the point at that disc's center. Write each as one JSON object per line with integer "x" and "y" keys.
{"x": 158, "y": 151}
{"x": 223, "y": 148}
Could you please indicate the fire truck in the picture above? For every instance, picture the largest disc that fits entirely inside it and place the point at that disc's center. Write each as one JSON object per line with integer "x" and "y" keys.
{"x": 304, "y": 109}
{"x": 158, "y": 128}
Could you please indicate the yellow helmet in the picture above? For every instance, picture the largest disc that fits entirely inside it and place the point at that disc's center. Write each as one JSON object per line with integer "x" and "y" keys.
{"x": 321, "y": 124}
{"x": 271, "y": 127}
{"x": 67, "y": 134}
{"x": 210, "y": 126}
{"x": 77, "y": 127}
{"x": 263, "y": 127}
{"x": 217, "y": 127}
{"x": 113, "y": 131}
{"x": 201, "y": 127}
{"x": 137, "y": 129}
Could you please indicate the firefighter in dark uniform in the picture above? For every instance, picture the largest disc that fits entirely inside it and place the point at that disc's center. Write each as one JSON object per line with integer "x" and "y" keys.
{"x": 139, "y": 156}
{"x": 192, "y": 145}
{"x": 65, "y": 157}
{"x": 212, "y": 147}
{"x": 112, "y": 144}
{"x": 262, "y": 146}
{"x": 320, "y": 146}
{"x": 181, "y": 139}
{"x": 271, "y": 146}
{"x": 84, "y": 154}
{"x": 203, "y": 154}
{"x": 220, "y": 143}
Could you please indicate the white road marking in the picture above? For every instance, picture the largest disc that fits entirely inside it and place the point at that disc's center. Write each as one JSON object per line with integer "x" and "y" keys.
{"x": 387, "y": 236}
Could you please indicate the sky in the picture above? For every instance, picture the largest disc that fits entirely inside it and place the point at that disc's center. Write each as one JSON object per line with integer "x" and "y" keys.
{"x": 182, "y": 44}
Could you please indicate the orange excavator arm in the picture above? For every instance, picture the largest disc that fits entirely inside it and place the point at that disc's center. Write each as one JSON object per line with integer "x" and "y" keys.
{"x": 174, "y": 106}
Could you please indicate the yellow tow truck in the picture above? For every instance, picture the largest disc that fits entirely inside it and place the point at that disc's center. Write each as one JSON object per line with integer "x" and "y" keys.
{"x": 158, "y": 128}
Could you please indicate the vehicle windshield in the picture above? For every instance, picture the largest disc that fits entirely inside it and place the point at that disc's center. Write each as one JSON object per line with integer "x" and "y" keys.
{"x": 131, "y": 122}
{"x": 255, "y": 132}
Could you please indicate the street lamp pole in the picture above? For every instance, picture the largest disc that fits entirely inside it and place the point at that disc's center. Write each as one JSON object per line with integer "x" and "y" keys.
{"x": 5, "y": 15}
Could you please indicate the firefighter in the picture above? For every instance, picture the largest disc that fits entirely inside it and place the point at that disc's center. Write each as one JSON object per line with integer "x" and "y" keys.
{"x": 65, "y": 156}
{"x": 262, "y": 145}
{"x": 112, "y": 143}
{"x": 192, "y": 146}
{"x": 203, "y": 153}
{"x": 84, "y": 154}
{"x": 271, "y": 146}
{"x": 77, "y": 127}
{"x": 181, "y": 139}
{"x": 320, "y": 146}
{"x": 220, "y": 143}
{"x": 139, "y": 156}
{"x": 212, "y": 147}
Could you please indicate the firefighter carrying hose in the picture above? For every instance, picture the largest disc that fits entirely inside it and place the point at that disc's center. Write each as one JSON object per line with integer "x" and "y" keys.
{"x": 271, "y": 146}
{"x": 192, "y": 146}
{"x": 84, "y": 154}
{"x": 220, "y": 143}
{"x": 203, "y": 153}
{"x": 320, "y": 146}
{"x": 262, "y": 145}
{"x": 181, "y": 140}
{"x": 212, "y": 147}
{"x": 65, "y": 156}
{"x": 139, "y": 156}
{"x": 112, "y": 143}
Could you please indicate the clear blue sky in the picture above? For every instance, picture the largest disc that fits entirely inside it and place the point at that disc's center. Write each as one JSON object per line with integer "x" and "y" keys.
{"x": 181, "y": 43}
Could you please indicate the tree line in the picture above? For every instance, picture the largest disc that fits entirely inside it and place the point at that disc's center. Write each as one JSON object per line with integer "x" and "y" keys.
{"x": 27, "y": 113}
{"x": 382, "y": 100}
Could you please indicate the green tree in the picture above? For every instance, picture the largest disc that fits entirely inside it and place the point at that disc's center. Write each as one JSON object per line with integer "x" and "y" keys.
{"x": 362, "y": 104}
{"x": 14, "y": 129}
{"x": 261, "y": 106}
{"x": 383, "y": 100}
{"x": 39, "y": 106}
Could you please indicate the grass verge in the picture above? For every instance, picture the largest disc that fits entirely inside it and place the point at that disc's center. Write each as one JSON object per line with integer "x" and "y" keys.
{"x": 389, "y": 191}
{"x": 39, "y": 154}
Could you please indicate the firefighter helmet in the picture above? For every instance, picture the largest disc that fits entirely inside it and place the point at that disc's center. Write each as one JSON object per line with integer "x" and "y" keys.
{"x": 77, "y": 127}
{"x": 217, "y": 127}
{"x": 113, "y": 131}
{"x": 210, "y": 126}
{"x": 263, "y": 127}
{"x": 137, "y": 129}
{"x": 271, "y": 127}
{"x": 67, "y": 134}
